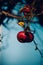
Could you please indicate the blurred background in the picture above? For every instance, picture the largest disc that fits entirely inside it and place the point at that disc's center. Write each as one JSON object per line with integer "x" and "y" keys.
{"x": 12, "y": 51}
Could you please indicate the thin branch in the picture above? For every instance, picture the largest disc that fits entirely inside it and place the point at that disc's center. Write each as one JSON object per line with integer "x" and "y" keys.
{"x": 20, "y": 17}
{"x": 11, "y": 15}
{"x": 33, "y": 3}
{"x": 37, "y": 48}
{"x": 39, "y": 14}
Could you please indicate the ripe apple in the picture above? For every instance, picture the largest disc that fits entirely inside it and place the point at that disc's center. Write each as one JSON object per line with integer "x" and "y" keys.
{"x": 24, "y": 37}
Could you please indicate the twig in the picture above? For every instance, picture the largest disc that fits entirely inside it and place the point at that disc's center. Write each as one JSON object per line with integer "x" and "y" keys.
{"x": 11, "y": 15}
{"x": 33, "y": 3}
{"x": 39, "y": 14}
{"x": 37, "y": 48}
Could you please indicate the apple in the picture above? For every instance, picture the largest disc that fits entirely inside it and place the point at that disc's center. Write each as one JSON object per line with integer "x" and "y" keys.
{"x": 21, "y": 36}
{"x": 24, "y": 37}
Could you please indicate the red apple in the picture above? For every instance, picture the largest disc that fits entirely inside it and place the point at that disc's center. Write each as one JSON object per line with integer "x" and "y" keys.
{"x": 21, "y": 36}
{"x": 25, "y": 36}
{"x": 30, "y": 37}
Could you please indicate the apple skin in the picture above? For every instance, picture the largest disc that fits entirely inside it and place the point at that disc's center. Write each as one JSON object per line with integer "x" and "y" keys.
{"x": 30, "y": 37}
{"x": 21, "y": 36}
{"x": 24, "y": 37}
{"x": 26, "y": 9}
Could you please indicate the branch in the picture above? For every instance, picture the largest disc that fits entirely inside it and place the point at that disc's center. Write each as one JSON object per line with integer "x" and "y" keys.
{"x": 39, "y": 14}
{"x": 33, "y": 3}
{"x": 37, "y": 48}
{"x": 11, "y": 15}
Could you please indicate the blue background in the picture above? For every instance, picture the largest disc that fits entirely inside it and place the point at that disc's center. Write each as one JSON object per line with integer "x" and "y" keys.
{"x": 15, "y": 53}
